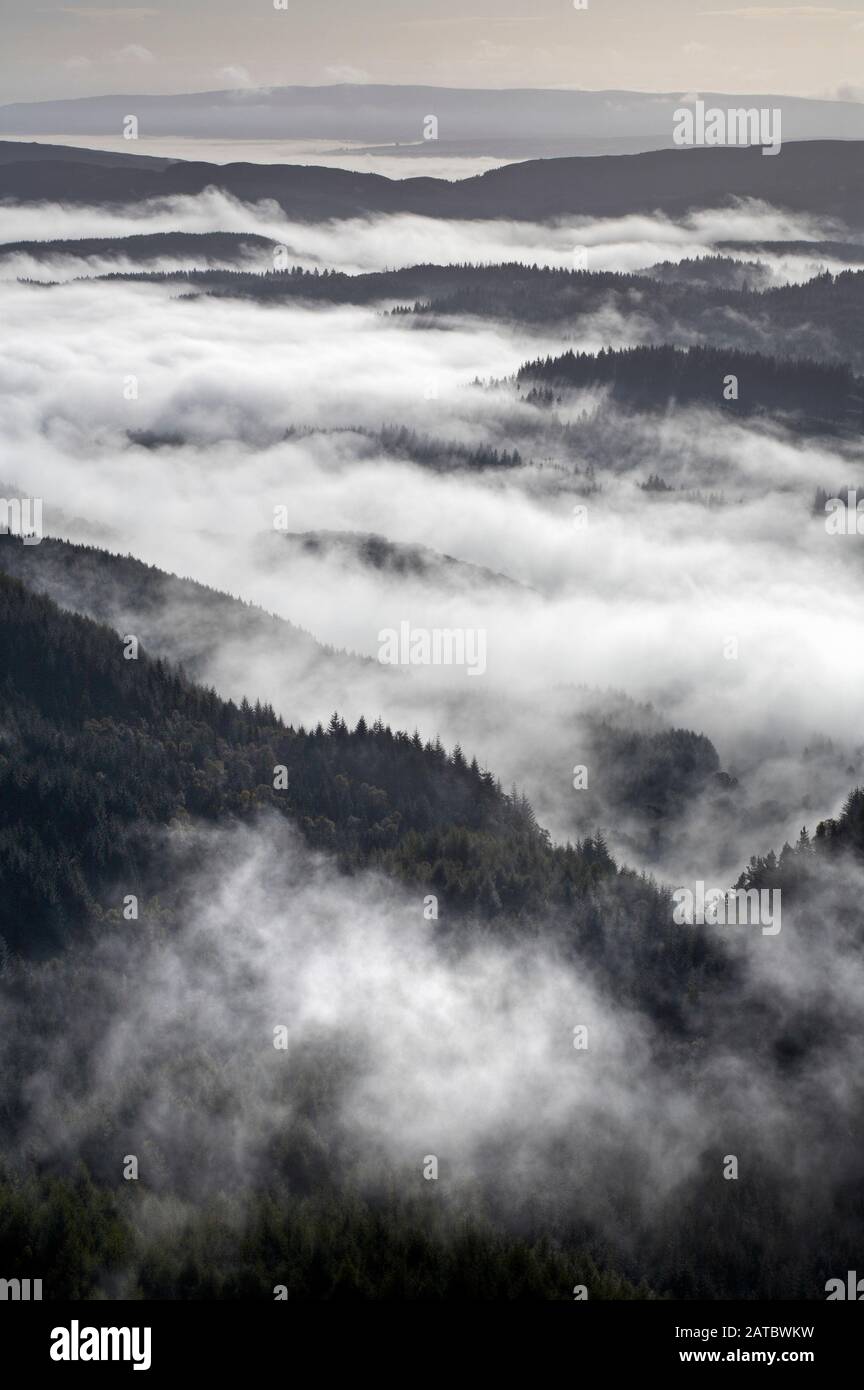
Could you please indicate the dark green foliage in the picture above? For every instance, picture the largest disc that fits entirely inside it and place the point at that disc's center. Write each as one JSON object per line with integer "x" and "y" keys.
{"x": 96, "y": 747}
{"x": 809, "y": 859}
{"x": 86, "y": 1242}
{"x": 65, "y": 1231}
{"x": 397, "y": 441}
{"x": 820, "y": 317}
{"x": 820, "y": 395}
{"x": 98, "y": 751}
{"x": 405, "y": 443}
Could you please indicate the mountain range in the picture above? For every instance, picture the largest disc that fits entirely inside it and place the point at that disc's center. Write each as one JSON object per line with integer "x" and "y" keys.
{"x": 820, "y": 178}
{"x": 520, "y": 123}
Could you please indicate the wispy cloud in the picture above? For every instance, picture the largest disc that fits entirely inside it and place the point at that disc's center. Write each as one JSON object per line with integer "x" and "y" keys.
{"x": 134, "y": 52}
{"x": 344, "y": 72}
{"x": 234, "y": 74}
{"x": 782, "y": 12}
{"x": 101, "y": 12}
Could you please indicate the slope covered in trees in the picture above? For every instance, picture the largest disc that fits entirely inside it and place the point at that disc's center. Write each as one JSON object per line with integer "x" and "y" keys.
{"x": 98, "y": 753}
{"x": 87, "y": 1242}
{"x": 817, "y": 396}
{"x": 831, "y": 857}
{"x": 233, "y": 247}
{"x": 652, "y": 774}
{"x": 96, "y": 745}
{"x": 98, "y": 748}
{"x": 185, "y": 619}
{"x": 719, "y": 301}
{"x": 820, "y": 177}
{"x": 368, "y": 550}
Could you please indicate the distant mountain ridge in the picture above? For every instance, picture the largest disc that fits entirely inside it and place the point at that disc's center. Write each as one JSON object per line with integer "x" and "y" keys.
{"x": 379, "y": 114}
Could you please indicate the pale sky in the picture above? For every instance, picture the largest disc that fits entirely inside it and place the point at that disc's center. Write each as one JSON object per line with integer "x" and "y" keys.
{"x": 77, "y": 49}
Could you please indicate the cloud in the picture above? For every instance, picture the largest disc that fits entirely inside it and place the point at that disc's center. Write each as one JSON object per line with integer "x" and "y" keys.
{"x": 395, "y": 1046}
{"x": 100, "y": 12}
{"x": 134, "y": 52}
{"x": 782, "y": 12}
{"x": 344, "y": 72}
{"x": 357, "y": 245}
{"x": 236, "y": 75}
{"x": 464, "y": 1051}
{"x": 238, "y": 375}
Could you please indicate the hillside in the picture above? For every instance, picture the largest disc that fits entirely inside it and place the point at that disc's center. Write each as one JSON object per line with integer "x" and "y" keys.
{"x": 819, "y": 177}
{"x": 811, "y": 396}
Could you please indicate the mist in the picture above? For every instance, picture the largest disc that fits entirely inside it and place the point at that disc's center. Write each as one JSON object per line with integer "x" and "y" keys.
{"x": 364, "y": 244}
{"x": 462, "y": 1052}
{"x": 643, "y": 598}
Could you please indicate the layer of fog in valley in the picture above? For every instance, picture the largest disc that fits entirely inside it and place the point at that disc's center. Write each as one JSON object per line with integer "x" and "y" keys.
{"x": 240, "y": 411}
{"x": 364, "y": 244}
{"x": 669, "y": 670}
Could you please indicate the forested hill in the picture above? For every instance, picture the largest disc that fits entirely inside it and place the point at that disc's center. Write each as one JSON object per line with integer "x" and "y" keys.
{"x": 704, "y": 298}
{"x": 811, "y": 863}
{"x": 820, "y": 177}
{"x": 98, "y": 750}
{"x": 654, "y": 772}
{"x": 529, "y": 293}
{"x": 187, "y": 619}
{"x": 359, "y": 550}
{"x": 820, "y": 317}
{"x": 98, "y": 754}
{"x": 230, "y": 247}
{"x": 818, "y": 396}
{"x": 95, "y": 747}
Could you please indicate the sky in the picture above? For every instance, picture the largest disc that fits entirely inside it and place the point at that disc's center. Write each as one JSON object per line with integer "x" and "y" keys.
{"x": 79, "y": 49}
